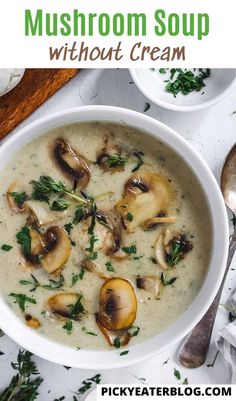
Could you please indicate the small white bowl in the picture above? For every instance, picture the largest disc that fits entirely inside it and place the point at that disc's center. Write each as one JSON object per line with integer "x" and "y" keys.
{"x": 151, "y": 84}
{"x": 94, "y": 359}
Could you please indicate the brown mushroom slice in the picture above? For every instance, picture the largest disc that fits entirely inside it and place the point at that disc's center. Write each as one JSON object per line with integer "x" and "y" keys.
{"x": 61, "y": 305}
{"x": 16, "y": 207}
{"x": 109, "y": 158}
{"x": 146, "y": 195}
{"x": 71, "y": 163}
{"x": 38, "y": 214}
{"x": 37, "y": 243}
{"x": 32, "y": 322}
{"x": 110, "y": 335}
{"x": 117, "y": 304}
{"x": 56, "y": 251}
{"x": 107, "y": 231}
{"x": 94, "y": 267}
{"x": 151, "y": 284}
{"x": 153, "y": 222}
{"x": 160, "y": 252}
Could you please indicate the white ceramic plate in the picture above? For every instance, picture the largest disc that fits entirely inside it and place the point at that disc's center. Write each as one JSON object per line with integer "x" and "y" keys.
{"x": 151, "y": 84}
{"x": 61, "y": 354}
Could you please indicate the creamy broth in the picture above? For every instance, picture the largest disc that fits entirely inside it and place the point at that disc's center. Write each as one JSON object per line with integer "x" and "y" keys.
{"x": 188, "y": 205}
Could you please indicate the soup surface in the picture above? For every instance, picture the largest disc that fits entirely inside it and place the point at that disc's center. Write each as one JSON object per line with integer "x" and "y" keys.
{"x": 105, "y": 235}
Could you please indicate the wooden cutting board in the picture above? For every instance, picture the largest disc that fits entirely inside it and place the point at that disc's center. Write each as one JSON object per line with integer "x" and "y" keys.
{"x": 36, "y": 86}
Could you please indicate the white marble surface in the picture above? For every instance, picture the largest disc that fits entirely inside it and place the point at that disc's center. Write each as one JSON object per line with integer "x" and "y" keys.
{"x": 212, "y": 132}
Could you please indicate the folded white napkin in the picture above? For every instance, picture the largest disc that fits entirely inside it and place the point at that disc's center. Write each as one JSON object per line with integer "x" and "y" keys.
{"x": 226, "y": 341}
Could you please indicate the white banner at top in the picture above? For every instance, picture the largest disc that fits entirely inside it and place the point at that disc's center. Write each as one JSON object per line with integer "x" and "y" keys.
{"x": 122, "y": 34}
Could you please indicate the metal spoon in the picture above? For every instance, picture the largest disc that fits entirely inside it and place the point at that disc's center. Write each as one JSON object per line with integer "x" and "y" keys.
{"x": 193, "y": 351}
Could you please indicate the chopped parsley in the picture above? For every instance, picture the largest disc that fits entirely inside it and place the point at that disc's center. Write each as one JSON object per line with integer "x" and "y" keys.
{"x": 133, "y": 331}
{"x": 179, "y": 246}
{"x": 75, "y": 278}
{"x": 91, "y": 333}
{"x": 81, "y": 274}
{"x": 68, "y": 227}
{"x": 117, "y": 342}
{"x": 138, "y": 154}
{"x": 21, "y": 300}
{"x": 186, "y": 81}
{"x": 130, "y": 217}
{"x": 92, "y": 255}
{"x": 124, "y": 353}
{"x": 165, "y": 281}
{"x": 110, "y": 267}
{"x": 60, "y": 204}
{"x": 115, "y": 161}
{"x": 147, "y": 107}
{"x": 77, "y": 308}
{"x": 177, "y": 374}
{"x": 19, "y": 197}
{"x": 79, "y": 214}
{"x": 87, "y": 384}
{"x": 24, "y": 239}
{"x": 130, "y": 249}
{"x": 52, "y": 285}
{"x": 6, "y": 247}
{"x": 68, "y": 326}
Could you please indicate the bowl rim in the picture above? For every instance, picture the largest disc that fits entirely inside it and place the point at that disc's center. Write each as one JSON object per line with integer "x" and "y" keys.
{"x": 91, "y": 359}
{"x": 178, "y": 107}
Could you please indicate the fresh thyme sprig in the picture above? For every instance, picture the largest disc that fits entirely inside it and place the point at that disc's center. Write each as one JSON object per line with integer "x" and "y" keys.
{"x": 24, "y": 385}
{"x": 47, "y": 186}
{"x": 52, "y": 285}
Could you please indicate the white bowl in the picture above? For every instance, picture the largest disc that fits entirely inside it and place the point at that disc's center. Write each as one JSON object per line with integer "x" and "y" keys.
{"x": 61, "y": 354}
{"x": 152, "y": 85}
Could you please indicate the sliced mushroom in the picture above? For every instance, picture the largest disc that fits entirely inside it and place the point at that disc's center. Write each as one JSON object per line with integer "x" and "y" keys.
{"x": 94, "y": 267}
{"x": 171, "y": 249}
{"x": 147, "y": 194}
{"x": 109, "y": 158}
{"x": 36, "y": 248}
{"x": 110, "y": 335}
{"x": 151, "y": 284}
{"x": 38, "y": 214}
{"x": 71, "y": 163}
{"x": 150, "y": 224}
{"x": 108, "y": 234}
{"x": 117, "y": 304}
{"x": 160, "y": 252}
{"x": 16, "y": 207}
{"x": 32, "y": 322}
{"x": 63, "y": 305}
{"x": 56, "y": 251}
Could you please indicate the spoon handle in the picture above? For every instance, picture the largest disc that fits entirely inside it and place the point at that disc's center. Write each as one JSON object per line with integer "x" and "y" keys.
{"x": 193, "y": 351}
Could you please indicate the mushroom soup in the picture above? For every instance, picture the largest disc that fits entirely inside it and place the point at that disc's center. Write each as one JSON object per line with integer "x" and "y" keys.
{"x": 105, "y": 235}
